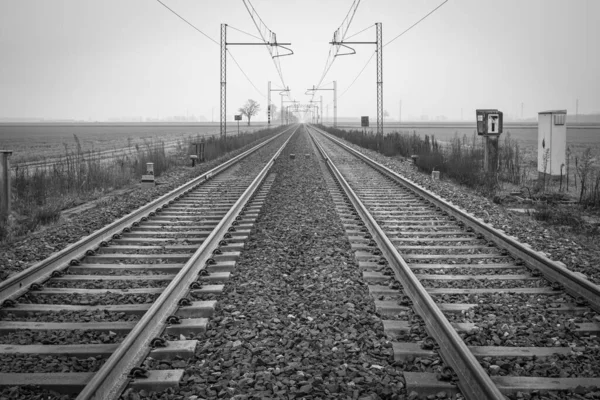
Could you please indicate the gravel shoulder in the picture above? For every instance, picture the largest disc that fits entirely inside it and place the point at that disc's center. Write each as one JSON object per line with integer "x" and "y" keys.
{"x": 580, "y": 253}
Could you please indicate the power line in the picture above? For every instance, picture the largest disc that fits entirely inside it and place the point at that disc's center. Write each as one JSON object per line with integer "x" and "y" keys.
{"x": 189, "y": 23}
{"x": 239, "y": 30}
{"x": 265, "y": 32}
{"x": 339, "y": 35}
{"x": 358, "y": 33}
{"x": 249, "y": 80}
{"x": 359, "y": 74}
{"x": 416, "y": 23}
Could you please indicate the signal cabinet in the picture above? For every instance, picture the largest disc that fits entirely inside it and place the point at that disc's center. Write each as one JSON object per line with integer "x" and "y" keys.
{"x": 552, "y": 142}
{"x": 489, "y": 122}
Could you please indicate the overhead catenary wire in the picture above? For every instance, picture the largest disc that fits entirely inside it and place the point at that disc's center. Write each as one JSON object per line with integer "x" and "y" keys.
{"x": 244, "y": 32}
{"x": 245, "y": 75}
{"x": 358, "y": 33}
{"x": 416, "y": 23}
{"x": 339, "y": 35}
{"x": 265, "y": 32}
{"x": 359, "y": 74}
{"x": 189, "y": 23}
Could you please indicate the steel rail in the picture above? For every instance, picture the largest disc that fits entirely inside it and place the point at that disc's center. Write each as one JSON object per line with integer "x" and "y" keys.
{"x": 474, "y": 382}
{"x": 574, "y": 283}
{"x": 111, "y": 379}
{"x": 18, "y": 284}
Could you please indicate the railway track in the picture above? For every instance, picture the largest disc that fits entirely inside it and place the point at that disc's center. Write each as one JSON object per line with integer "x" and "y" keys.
{"x": 84, "y": 320}
{"x": 470, "y": 309}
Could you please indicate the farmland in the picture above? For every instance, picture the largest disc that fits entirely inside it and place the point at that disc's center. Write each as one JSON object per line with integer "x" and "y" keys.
{"x": 579, "y": 137}
{"x": 33, "y": 142}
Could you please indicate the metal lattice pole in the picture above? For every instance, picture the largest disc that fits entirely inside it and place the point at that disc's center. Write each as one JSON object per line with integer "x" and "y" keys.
{"x": 379, "y": 79}
{"x": 335, "y": 104}
{"x": 321, "y": 111}
{"x": 223, "y": 80}
{"x": 269, "y": 105}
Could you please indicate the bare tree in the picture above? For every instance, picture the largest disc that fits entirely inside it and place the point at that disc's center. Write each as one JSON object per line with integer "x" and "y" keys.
{"x": 250, "y": 109}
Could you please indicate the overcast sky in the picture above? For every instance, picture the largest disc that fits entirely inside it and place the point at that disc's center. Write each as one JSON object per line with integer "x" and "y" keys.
{"x": 97, "y": 59}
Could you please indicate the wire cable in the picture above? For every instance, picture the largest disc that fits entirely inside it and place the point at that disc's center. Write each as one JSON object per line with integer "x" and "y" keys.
{"x": 357, "y": 76}
{"x": 241, "y": 31}
{"x": 358, "y": 33}
{"x": 416, "y": 23}
{"x": 247, "y": 78}
{"x": 189, "y": 23}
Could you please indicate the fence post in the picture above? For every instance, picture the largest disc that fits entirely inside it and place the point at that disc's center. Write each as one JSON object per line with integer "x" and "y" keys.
{"x": 490, "y": 155}
{"x": 4, "y": 185}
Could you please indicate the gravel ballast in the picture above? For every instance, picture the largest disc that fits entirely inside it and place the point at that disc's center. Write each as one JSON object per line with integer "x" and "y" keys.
{"x": 295, "y": 320}
{"x": 21, "y": 254}
{"x": 580, "y": 252}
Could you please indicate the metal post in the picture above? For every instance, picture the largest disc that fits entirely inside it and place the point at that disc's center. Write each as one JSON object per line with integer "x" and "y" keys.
{"x": 335, "y": 104}
{"x": 269, "y": 105}
{"x": 490, "y": 156}
{"x": 281, "y": 108}
{"x": 379, "y": 79}
{"x": 223, "y": 80}
{"x": 400, "y": 114}
{"x": 321, "y": 111}
{"x": 4, "y": 185}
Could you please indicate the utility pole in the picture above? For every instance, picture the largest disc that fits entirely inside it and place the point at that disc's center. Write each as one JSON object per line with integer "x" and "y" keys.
{"x": 379, "y": 79}
{"x": 223, "y": 124}
{"x": 521, "y": 110}
{"x": 400, "y": 113}
{"x": 272, "y": 43}
{"x": 281, "y": 93}
{"x": 379, "y": 49}
{"x": 321, "y": 112}
{"x": 314, "y": 89}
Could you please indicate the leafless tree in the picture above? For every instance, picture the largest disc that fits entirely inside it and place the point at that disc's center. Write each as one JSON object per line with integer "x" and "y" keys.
{"x": 250, "y": 109}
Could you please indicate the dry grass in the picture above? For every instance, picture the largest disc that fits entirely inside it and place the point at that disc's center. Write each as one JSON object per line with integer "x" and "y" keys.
{"x": 40, "y": 193}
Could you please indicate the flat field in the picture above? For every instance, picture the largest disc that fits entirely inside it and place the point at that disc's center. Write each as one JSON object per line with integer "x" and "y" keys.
{"x": 579, "y": 138}
{"x": 38, "y": 141}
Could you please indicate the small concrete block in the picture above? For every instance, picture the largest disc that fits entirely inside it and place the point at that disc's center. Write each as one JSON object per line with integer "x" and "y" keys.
{"x": 379, "y": 290}
{"x": 375, "y": 277}
{"x": 306, "y": 155}
{"x": 292, "y": 156}
{"x": 183, "y": 349}
{"x": 198, "y": 309}
{"x": 158, "y": 380}
{"x": 221, "y": 266}
{"x": 394, "y": 327}
{"x": 208, "y": 289}
{"x": 217, "y": 277}
{"x": 191, "y": 326}
{"x": 403, "y": 350}
{"x": 435, "y": 175}
{"x": 426, "y": 384}
{"x": 389, "y": 308}
{"x": 63, "y": 382}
